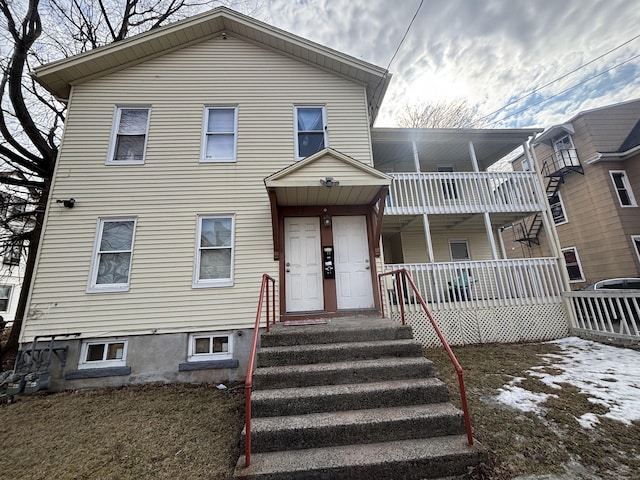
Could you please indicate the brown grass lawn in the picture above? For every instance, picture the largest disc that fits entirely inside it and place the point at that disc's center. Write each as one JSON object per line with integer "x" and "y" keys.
{"x": 187, "y": 431}
{"x": 525, "y": 443}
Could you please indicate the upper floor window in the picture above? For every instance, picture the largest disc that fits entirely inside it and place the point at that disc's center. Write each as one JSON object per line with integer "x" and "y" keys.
{"x": 311, "y": 130}
{"x": 220, "y": 132}
{"x": 129, "y": 138}
{"x": 13, "y": 253}
{"x": 566, "y": 152}
{"x": 214, "y": 251}
{"x": 111, "y": 264}
{"x": 557, "y": 209}
{"x": 572, "y": 261}
{"x": 623, "y": 188}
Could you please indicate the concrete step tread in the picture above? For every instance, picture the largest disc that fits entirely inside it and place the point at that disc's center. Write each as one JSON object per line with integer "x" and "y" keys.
{"x": 353, "y": 417}
{"x": 338, "y": 366}
{"x": 293, "y": 394}
{"x": 336, "y": 346}
{"x": 343, "y": 462}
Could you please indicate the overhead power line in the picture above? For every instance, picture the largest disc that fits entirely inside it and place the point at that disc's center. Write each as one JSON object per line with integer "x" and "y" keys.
{"x": 557, "y": 80}
{"x": 563, "y": 91}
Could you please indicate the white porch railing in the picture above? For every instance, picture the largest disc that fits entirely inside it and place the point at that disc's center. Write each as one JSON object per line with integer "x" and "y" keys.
{"x": 607, "y": 312}
{"x": 488, "y": 283}
{"x": 463, "y": 192}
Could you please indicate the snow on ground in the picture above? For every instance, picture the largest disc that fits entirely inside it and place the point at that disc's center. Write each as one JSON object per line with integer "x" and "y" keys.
{"x": 610, "y": 376}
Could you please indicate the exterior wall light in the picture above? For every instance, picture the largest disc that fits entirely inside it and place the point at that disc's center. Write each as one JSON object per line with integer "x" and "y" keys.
{"x": 329, "y": 182}
{"x": 67, "y": 203}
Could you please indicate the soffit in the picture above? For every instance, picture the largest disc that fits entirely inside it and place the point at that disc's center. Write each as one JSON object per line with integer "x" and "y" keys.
{"x": 300, "y": 183}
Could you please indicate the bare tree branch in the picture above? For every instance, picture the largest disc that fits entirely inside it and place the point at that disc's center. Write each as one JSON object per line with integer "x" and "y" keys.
{"x": 444, "y": 114}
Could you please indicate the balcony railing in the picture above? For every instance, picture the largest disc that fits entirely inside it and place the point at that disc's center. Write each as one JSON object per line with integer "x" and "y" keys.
{"x": 488, "y": 283}
{"x": 561, "y": 162}
{"x": 463, "y": 192}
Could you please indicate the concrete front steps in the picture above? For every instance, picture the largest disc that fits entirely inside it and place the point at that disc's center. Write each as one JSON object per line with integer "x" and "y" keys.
{"x": 352, "y": 399}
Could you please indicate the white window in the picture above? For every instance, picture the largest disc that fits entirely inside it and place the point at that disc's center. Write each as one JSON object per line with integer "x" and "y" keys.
{"x": 557, "y": 209}
{"x": 565, "y": 152}
{"x": 623, "y": 188}
{"x": 129, "y": 138}
{"x": 572, "y": 261}
{"x": 525, "y": 165}
{"x": 311, "y": 130}
{"x": 5, "y": 297}
{"x": 210, "y": 346}
{"x": 459, "y": 250}
{"x": 635, "y": 239}
{"x": 112, "y": 252}
{"x": 214, "y": 251}
{"x": 103, "y": 353}
{"x": 220, "y": 132}
{"x": 12, "y": 254}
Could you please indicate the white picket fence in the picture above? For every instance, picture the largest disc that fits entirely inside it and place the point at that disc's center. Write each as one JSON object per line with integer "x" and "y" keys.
{"x": 608, "y": 313}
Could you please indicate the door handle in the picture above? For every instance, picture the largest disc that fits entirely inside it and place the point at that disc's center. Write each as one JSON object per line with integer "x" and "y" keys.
{"x": 288, "y": 270}
{"x": 367, "y": 267}
{"x": 288, "y": 264}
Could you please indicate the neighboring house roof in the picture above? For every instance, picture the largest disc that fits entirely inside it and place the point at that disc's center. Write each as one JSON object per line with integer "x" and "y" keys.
{"x": 58, "y": 77}
{"x": 632, "y": 140}
{"x": 305, "y": 182}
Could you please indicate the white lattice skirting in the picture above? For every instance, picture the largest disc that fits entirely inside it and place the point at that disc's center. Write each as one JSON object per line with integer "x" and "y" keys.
{"x": 506, "y": 324}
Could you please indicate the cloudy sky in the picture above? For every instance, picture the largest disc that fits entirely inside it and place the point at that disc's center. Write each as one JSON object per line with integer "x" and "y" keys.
{"x": 490, "y": 52}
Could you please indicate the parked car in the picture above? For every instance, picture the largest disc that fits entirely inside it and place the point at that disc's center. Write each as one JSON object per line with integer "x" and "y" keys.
{"x": 616, "y": 284}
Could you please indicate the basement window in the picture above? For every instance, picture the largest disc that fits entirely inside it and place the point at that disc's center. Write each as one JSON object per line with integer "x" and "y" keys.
{"x": 210, "y": 346}
{"x": 103, "y": 353}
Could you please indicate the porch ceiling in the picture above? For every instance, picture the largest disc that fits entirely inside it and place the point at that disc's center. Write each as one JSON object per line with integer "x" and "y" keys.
{"x": 393, "y": 146}
{"x": 458, "y": 223}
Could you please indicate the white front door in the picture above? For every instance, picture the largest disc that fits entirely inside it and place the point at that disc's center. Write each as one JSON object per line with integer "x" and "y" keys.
{"x": 353, "y": 269}
{"x": 303, "y": 266}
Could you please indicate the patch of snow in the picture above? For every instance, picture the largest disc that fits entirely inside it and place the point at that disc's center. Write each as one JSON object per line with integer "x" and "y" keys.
{"x": 610, "y": 376}
{"x": 588, "y": 420}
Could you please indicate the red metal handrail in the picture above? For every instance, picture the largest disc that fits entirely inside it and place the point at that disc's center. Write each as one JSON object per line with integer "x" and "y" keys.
{"x": 248, "y": 383}
{"x": 452, "y": 357}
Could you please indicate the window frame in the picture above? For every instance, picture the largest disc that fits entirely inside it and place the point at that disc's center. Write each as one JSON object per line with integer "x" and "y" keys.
{"x": 627, "y": 188}
{"x": 206, "y": 133}
{"x": 92, "y": 286}
{"x": 635, "y": 242}
{"x": 459, "y": 240}
{"x": 214, "y": 282}
{"x": 83, "y": 363}
{"x": 8, "y": 297}
{"x": 114, "y": 135}
{"x": 203, "y": 357}
{"x": 13, "y": 254}
{"x": 297, "y": 132}
{"x": 564, "y": 211}
{"x": 578, "y": 263}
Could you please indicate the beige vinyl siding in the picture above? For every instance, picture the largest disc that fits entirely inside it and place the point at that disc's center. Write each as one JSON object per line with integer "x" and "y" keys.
{"x": 414, "y": 246}
{"x": 168, "y": 192}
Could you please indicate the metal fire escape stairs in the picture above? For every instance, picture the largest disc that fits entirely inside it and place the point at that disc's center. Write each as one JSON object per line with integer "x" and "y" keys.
{"x": 555, "y": 169}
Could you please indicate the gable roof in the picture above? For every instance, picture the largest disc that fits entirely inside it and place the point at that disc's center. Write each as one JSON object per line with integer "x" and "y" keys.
{"x": 58, "y": 77}
{"x": 301, "y": 183}
{"x": 632, "y": 140}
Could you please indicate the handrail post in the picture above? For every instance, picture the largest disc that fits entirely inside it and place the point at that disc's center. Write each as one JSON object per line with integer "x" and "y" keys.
{"x": 401, "y": 296}
{"x": 381, "y": 296}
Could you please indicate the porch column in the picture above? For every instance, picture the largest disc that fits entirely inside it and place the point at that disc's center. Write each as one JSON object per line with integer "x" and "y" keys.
{"x": 427, "y": 236}
{"x": 416, "y": 159}
{"x": 492, "y": 240}
{"x": 474, "y": 159}
{"x": 503, "y": 250}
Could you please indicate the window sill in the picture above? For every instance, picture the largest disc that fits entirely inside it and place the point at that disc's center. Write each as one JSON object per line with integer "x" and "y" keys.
{"x": 124, "y": 288}
{"x": 225, "y": 283}
{"x": 207, "y": 365}
{"x": 97, "y": 372}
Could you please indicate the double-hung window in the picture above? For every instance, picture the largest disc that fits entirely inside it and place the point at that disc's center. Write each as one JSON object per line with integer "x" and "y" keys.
{"x": 557, "y": 209}
{"x": 129, "y": 138}
{"x": 113, "y": 249}
{"x": 214, "y": 251}
{"x": 635, "y": 240}
{"x": 311, "y": 131}
{"x": 572, "y": 261}
{"x": 623, "y": 188}
{"x": 5, "y": 297}
{"x": 219, "y": 143}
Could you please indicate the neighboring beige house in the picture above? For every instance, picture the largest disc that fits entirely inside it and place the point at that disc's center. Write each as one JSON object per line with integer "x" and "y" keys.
{"x": 591, "y": 166}
{"x": 208, "y": 152}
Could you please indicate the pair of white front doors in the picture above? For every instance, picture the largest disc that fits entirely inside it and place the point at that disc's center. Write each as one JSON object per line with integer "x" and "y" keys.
{"x": 304, "y": 264}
